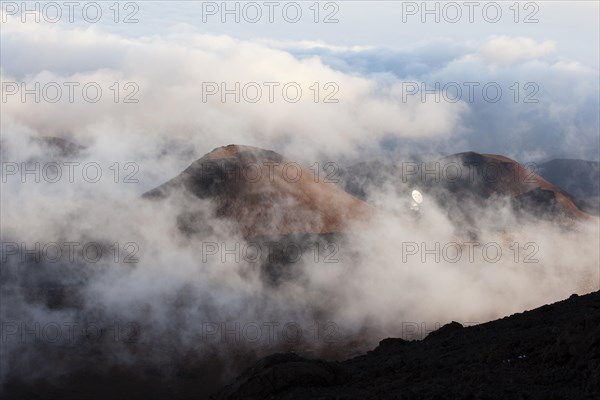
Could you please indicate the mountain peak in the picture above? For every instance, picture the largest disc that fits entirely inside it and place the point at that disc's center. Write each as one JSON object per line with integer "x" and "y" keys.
{"x": 266, "y": 194}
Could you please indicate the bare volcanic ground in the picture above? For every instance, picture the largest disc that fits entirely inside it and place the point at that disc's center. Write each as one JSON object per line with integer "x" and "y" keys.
{"x": 579, "y": 178}
{"x": 266, "y": 194}
{"x": 552, "y": 352}
{"x": 462, "y": 182}
{"x": 487, "y": 175}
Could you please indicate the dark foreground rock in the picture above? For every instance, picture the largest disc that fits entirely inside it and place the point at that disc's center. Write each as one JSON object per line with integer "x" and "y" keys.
{"x": 552, "y": 352}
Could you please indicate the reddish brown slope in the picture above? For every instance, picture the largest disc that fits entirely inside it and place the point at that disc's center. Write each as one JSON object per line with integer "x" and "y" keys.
{"x": 487, "y": 175}
{"x": 267, "y": 194}
{"x": 533, "y": 181}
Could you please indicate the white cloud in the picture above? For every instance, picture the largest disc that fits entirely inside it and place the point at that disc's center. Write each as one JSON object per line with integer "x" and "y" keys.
{"x": 170, "y": 72}
{"x": 506, "y": 50}
{"x": 378, "y": 291}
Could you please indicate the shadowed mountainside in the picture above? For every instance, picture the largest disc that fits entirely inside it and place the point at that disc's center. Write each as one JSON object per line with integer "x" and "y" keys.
{"x": 266, "y": 194}
{"x": 579, "y": 178}
{"x": 552, "y": 352}
{"x": 459, "y": 181}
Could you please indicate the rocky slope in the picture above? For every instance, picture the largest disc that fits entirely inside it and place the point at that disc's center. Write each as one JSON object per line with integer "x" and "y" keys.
{"x": 266, "y": 194}
{"x": 552, "y": 352}
{"x": 487, "y": 175}
{"x": 460, "y": 181}
{"x": 579, "y": 178}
